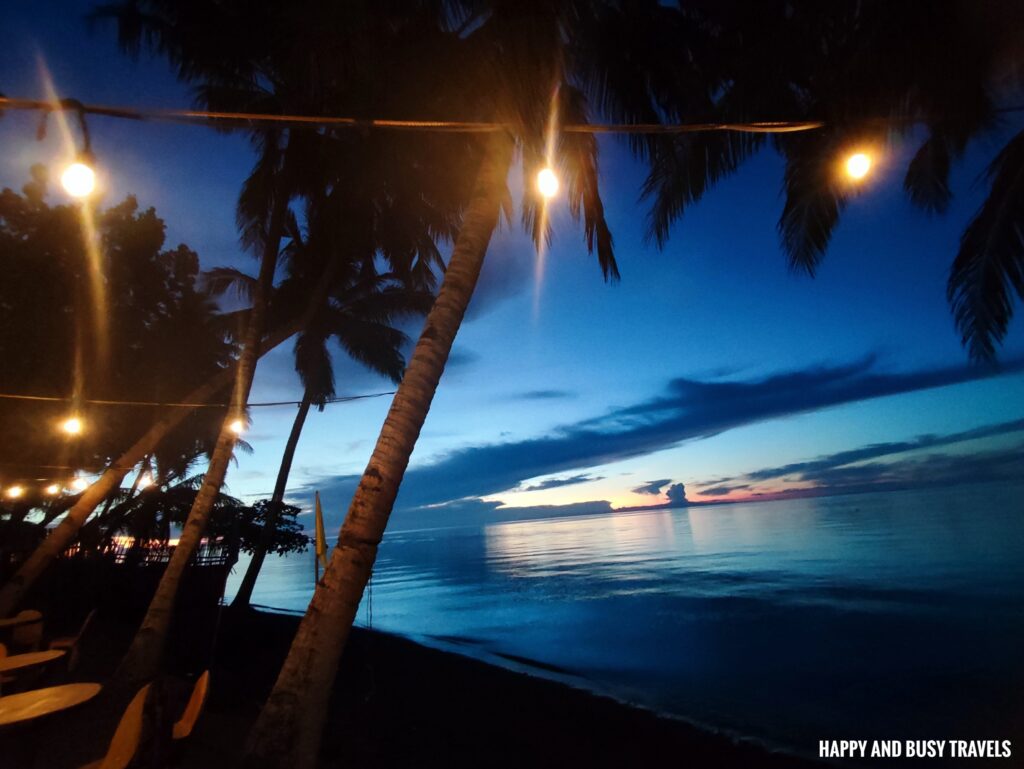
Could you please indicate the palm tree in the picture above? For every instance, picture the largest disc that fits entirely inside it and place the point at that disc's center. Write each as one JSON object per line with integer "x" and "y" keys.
{"x": 266, "y": 72}
{"x": 525, "y": 57}
{"x": 357, "y": 313}
{"x": 872, "y": 71}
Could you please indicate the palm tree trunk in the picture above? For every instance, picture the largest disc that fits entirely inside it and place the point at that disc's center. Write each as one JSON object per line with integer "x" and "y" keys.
{"x": 67, "y": 530}
{"x": 287, "y": 732}
{"x": 244, "y": 594}
{"x": 142, "y": 661}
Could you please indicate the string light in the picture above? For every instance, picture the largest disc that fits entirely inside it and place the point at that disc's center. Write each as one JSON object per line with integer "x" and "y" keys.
{"x": 14, "y": 492}
{"x": 858, "y": 165}
{"x": 79, "y": 484}
{"x": 78, "y": 180}
{"x": 547, "y": 183}
{"x": 53, "y": 489}
{"x": 72, "y": 426}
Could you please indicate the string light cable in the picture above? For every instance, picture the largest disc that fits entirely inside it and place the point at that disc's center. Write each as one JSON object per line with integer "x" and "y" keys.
{"x": 453, "y": 126}
{"x": 213, "y": 116}
{"x": 164, "y": 404}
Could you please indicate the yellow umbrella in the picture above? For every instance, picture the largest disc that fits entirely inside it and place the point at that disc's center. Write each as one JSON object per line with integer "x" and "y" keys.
{"x": 320, "y": 546}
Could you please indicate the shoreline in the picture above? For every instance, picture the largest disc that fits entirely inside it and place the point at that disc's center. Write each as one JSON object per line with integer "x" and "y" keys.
{"x": 535, "y": 669}
{"x": 395, "y": 703}
{"x": 401, "y": 702}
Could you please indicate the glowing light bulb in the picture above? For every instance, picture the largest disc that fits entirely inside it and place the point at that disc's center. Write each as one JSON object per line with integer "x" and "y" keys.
{"x": 72, "y": 426}
{"x": 15, "y": 491}
{"x": 53, "y": 489}
{"x": 858, "y": 165}
{"x": 145, "y": 482}
{"x": 80, "y": 484}
{"x": 78, "y": 180}
{"x": 547, "y": 183}
{"x": 237, "y": 426}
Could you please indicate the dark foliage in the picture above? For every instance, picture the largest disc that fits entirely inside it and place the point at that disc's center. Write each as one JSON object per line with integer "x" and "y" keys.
{"x": 126, "y": 323}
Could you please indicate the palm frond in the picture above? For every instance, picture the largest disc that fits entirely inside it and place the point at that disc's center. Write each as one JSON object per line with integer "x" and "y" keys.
{"x": 314, "y": 366}
{"x": 684, "y": 167}
{"x": 220, "y": 280}
{"x": 814, "y": 199}
{"x": 376, "y": 345}
{"x": 579, "y": 152}
{"x": 989, "y": 267}
{"x": 927, "y": 180}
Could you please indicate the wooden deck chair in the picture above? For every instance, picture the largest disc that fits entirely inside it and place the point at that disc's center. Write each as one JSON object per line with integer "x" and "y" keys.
{"x": 125, "y": 743}
{"x": 29, "y": 634}
{"x": 70, "y": 643}
{"x": 184, "y": 725}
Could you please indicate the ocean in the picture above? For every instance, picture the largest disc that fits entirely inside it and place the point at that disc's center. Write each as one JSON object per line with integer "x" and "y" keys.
{"x": 896, "y": 615}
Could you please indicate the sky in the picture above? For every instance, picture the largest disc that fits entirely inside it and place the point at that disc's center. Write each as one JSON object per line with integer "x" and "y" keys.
{"x": 711, "y": 372}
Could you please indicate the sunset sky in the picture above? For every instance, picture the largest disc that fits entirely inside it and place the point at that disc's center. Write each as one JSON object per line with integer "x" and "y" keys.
{"x": 710, "y": 364}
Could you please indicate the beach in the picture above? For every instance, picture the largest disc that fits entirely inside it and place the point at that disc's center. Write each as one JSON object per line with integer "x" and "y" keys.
{"x": 400, "y": 704}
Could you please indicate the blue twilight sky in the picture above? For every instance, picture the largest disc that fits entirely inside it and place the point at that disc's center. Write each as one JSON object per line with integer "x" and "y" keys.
{"x": 710, "y": 365}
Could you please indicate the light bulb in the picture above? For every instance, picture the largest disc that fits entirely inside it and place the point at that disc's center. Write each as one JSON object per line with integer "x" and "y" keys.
{"x": 547, "y": 183}
{"x": 145, "y": 482}
{"x": 78, "y": 180}
{"x": 237, "y": 426}
{"x": 72, "y": 426}
{"x": 858, "y": 165}
{"x": 15, "y": 491}
{"x": 80, "y": 484}
{"x": 53, "y": 489}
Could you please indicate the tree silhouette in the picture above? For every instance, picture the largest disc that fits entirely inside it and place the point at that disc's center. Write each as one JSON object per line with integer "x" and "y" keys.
{"x": 164, "y": 338}
{"x": 875, "y": 72}
{"x": 268, "y": 69}
{"x": 358, "y": 312}
{"x": 519, "y": 59}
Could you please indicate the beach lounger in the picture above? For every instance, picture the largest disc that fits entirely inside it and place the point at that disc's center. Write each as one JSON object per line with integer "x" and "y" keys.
{"x": 70, "y": 643}
{"x": 125, "y": 743}
{"x": 184, "y": 726}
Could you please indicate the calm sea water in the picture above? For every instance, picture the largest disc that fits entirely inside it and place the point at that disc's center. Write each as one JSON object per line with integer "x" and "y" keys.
{"x": 895, "y": 615}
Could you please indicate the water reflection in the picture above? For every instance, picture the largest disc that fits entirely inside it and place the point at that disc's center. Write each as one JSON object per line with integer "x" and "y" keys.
{"x": 854, "y": 615}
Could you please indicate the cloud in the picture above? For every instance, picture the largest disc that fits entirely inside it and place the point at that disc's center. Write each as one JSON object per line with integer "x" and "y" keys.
{"x": 723, "y": 489}
{"x": 688, "y": 410}
{"x": 676, "y": 494}
{"x": 543, "y": 395}
{"x": 652, "y": 487}
{"x": 554, "y": 483}
{"x": 830, "y": 466}
{"x": 942, "y": 469}
{"x": 459, "y": 357}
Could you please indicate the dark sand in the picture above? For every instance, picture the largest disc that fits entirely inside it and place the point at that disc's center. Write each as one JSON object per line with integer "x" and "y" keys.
{"x": 400, "y": 704}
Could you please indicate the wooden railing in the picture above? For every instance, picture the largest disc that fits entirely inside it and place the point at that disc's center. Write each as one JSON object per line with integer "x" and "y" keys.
{"x": 215, "y": 553}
